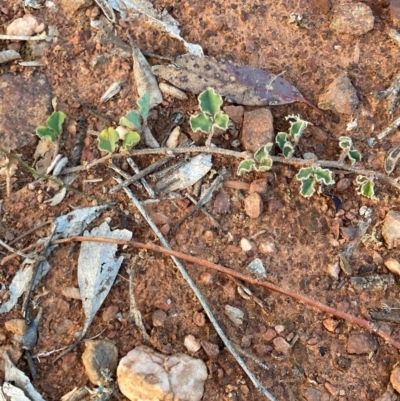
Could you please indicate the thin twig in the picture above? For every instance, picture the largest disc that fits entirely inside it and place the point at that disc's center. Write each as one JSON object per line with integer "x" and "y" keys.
{"x": 42, "y": 36}
{"x": 140, "y": 175}
{"x": 389, "y": 129}
{"x": 32, "y": 230}
{"x": 200, "y": 297}
{"x": 301, "y": 298}
{"x": 19, "y": 253}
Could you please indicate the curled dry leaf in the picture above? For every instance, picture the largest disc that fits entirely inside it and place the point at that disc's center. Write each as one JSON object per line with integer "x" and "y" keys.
{"x": 391, "y": 159}
{"x": 242, "y": 84}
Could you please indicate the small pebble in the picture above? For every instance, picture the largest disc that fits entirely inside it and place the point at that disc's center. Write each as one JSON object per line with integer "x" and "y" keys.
{"x": 245, "y": 244}
{"x": 71, "y": 292}
{"x": 395, "y": 378}
{"x": 333, "y": 390}
{"x": 279, "y": 328}
{"x": 281, "y": 345}
{"x": 258, "y": 129}
{"x": 333, "y": 269}
{"x": 235, "y": 314}
{"x": 269, "y": 335}
{"x": 199, "y": 319}
{"x": 191, "y": 344}
{"x": 259, "y": 186}
{"x": 110, "y": 313}
{"x": 352, "y": 18}
{"x": 267, "y": 246}
{"x": 330, "y": 324}
{"x": 158, "y": 318}
{"x": 391, "y": 229}
{"x": 16, "y": 326}
{"x": 253, "y": 205}
{"x": 212, "y": 350}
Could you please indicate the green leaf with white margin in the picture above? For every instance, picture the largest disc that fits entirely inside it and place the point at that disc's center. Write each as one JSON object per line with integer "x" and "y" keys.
{"x": 263, "y": 152}
{"x": 265, "y": 165}
{"x": 307, "y": 188}
{"x": 345, "y": 142}
{"x": 245, "y": 166}
{"x": 210, "y": 102}
{"x": 288, "y": 150}
{"x": 297, "y": 127}
{"x": 131, "y": 139}
{"x": 324, "y": 175}
{"x": 107, "y": 139}
{"x": 281, "y": 139}
{"x": 305, "y": 173}
{"x": 201, "y": 122}
{"x": 361, "y": 179}
{"x": 368, "y": 190}
{"x": 131, "y": 120}
{"x": 221, "y": 120}
{"x": 46, "y": 133}
{"x": 354, "y": 156}
{"x": 55, "y": 122}
{"x": 144, "y": 105}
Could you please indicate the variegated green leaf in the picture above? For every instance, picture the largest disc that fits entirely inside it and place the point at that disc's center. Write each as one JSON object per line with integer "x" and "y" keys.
{"x": 305, "y": 173}
{"x": 131, "y": 120}
{"x": 265, "y": 165}
{"x": 354, "y": 156}
{"x": 144, "y": 105}
{"x": 307, "y": 188}
{"x": 201, "y": 122}
{"x": 55, "y": 122}
{"x": 324, "y": 175}
{"x": 107, "y": 139}
{"x": 245, "y": 166}
{"x": 210, "y": 102}
{"x": 263, "y": 152}
{"x": 288, "y": 150}
{"x": 297, "y": 127}
{"x": 345, "y": 142}
{"x": 131, "y": 139}
{"x": 221, "y": 120}
{"x": 281, "y": 139}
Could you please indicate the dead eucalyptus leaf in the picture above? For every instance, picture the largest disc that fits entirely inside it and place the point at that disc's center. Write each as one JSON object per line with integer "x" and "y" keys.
{"x": 8, "y": 55}
{"x": 97, "y": 269}
{"x": 391, "y": 159}
{"x": 144, "y": 78}
{"x": 241, "y": 84}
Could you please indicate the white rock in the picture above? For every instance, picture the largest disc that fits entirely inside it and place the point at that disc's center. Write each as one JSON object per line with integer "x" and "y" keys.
{"x": 25, "y": 26}
{"x": 146, "y": 375}
{"x": 267, "y": 246}
{"x": 191, "y": 344}
{"x": 393, "y": 265}
{"x": 245, "y": 244}
{"x": 333, "y": 269}
{"x": 256, "y": 267}
{"x": 235, "y": 315}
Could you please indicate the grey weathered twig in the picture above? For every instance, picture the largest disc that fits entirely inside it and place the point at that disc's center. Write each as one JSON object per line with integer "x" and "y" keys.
{"x": 199, "y": 296}
{"x": 143, "y": 181}
{"x": 134, "y": 312}
{"x": 392, "y": 93}
{"x": 205, "y": 199}
{"x": 42, "y": 36}
{"x": 389, "y": 129}
{"x": 16, "y": 251}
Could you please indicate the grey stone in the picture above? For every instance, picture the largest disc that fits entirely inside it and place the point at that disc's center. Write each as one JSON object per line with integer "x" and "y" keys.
{"x": 100, "y": 360}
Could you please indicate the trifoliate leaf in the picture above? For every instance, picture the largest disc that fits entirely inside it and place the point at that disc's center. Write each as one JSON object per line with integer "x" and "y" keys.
{"x": 354, "y": 156}
{"x": 221, "y": 120}
{"x": 345, "y": 142}
{"x": 307, "y": 188}
{"x": 288, "y": 150}
{"x": 304, "y": 173}
{"x": 46, "y": 133}
{"x": 131, "y": 120}
{"x": 281, "y": 139}
{"x": 201, "y": 122}
{"x": 107, "y": 139}
{"x": 55, "y": 122}
{"x": 263, "y": 152}
{"x": 324, "y": 175}
{"x": 131, "y": 139}
{"x": 265, "y": 165}
{"x": 144, "y": 105}
{"x": 245, "y": 166}
{"x": 210, "y": 102}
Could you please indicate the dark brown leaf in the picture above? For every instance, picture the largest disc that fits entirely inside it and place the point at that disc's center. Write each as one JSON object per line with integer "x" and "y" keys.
{"x": 241, "y": 84}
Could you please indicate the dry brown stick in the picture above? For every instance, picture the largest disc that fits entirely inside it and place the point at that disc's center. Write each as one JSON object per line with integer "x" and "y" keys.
{"x": 303, "y": 299}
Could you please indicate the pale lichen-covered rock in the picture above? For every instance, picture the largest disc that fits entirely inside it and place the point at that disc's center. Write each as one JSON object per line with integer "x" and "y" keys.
{"x": 146, "y": 375}
{"x": 391, "y": 229}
